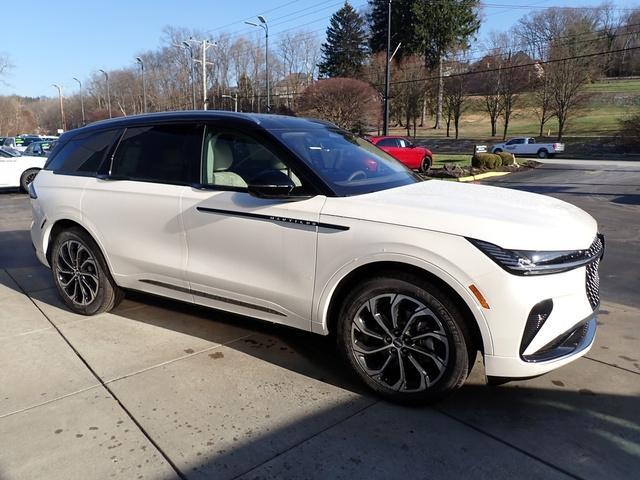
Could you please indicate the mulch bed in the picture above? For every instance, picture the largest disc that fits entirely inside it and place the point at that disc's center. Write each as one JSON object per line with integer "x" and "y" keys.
{"x": 451, "y": 170}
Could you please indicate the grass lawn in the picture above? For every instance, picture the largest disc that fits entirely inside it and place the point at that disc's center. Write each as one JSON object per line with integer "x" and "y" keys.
{"x": 439, "y": 159}
{"x": 604, "y": 104}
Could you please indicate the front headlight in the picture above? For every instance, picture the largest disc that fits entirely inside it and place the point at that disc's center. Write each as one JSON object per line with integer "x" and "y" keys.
{"x": 530, "y": 262}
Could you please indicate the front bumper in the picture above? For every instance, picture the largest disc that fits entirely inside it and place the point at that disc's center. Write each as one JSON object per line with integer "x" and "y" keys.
{"x": 564, "y": 349}
{"x": 539, "y": 323}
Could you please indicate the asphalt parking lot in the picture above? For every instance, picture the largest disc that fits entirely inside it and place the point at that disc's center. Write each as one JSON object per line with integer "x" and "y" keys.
{"x": 160, "y": 390}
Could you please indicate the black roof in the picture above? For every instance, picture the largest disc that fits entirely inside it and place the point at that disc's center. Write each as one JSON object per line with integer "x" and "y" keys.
{"x": 246, "y": 120}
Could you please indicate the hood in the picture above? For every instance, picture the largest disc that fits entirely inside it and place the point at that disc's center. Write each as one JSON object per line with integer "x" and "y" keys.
{"x": 505, "y": 217}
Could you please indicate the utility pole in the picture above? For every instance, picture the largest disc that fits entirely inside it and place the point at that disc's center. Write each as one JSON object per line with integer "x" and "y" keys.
{"x": 81, "y": 100}
{"x": 387, "y": 74}
{"x": 106, "y": 77}
{"x": 205, "y": 46}
{"x": 265, "y": 26}
{"x": 64, "y": 125}
{"x": 144, "y": 87}
{"x": 235, "y": 100}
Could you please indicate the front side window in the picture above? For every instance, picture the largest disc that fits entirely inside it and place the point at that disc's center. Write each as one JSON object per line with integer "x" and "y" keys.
{"x": 388, "y": 142}
{"x": 83, "y": 154}
{"x": 349, "y": 164}
{"x": 232, "y": 159}
{"x": 404, "y": 143}
{"x": 160, "y": 153}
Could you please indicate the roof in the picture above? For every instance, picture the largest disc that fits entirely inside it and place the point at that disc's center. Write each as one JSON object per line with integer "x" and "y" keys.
{"x": 267, "y": 121}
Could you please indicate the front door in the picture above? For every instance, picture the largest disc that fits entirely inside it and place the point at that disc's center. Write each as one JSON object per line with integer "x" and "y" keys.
{"x": 250, "y": 255}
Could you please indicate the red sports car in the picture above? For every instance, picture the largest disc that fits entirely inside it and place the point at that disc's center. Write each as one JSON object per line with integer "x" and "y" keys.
{"x": 418, "y": 158}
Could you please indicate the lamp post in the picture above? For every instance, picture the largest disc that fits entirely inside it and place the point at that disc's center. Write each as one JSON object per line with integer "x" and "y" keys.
{"x": 387, "y": 74}
{"x": 81, "y": 100}
{"x": 106, "y": 78}
{"x": 235, "y": 100}
{"x": 187, "y": 45}
{"x": 64, "y": 126}
{"x": 263, "y": 24}
{"x": 144, "y": 86}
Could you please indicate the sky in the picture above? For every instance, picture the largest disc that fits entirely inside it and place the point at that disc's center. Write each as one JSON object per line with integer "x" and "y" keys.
{"x": 52, "y": 42}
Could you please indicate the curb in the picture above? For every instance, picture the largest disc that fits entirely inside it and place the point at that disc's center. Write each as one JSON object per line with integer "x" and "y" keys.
{"x": 481, "y": 176}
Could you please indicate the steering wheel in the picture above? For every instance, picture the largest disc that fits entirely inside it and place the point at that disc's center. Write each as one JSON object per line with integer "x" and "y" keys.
{"x": 357, "y": 175}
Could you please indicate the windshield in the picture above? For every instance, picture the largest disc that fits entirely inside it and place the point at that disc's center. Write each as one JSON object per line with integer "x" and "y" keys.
{"x": 348, "y": 164}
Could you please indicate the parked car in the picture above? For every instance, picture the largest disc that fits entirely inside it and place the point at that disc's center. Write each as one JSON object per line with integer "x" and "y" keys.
{"x": 274, "y": 217}
{"x": 39, "y": 149}
{"x": 20, "y": 143}
{"x": 400, "y": 148}
{"x": 528, "y": 146}
{"x": 18, "y": 170}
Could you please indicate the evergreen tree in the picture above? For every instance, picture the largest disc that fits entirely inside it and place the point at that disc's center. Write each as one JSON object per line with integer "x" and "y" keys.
{"x": 441, "y": 26}
{"x": 401, "y": 26}
{"x": 345, "y": 50}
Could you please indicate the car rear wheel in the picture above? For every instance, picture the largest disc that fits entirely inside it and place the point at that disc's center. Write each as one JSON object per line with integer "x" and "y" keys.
{"x": 405, "y": 338}
{"x": 425, "y": 165}
{"x": 81, "y": 275}
{"x": 542, "y": 153}
{"x": 27, "y": 177}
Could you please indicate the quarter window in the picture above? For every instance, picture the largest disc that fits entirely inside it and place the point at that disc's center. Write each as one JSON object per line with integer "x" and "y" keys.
{"x": 84, "y": 154}
{"x": 161, "y": 153}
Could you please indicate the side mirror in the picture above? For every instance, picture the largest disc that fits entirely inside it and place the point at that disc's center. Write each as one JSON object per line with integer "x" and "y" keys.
{"x": 271, "y": 184}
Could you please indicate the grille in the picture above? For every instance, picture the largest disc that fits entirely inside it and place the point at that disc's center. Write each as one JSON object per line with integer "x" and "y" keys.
{"x": 592, "y": 281}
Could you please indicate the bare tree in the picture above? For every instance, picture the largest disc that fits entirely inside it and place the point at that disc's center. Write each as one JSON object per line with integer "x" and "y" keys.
{"x": 455, "y": 95}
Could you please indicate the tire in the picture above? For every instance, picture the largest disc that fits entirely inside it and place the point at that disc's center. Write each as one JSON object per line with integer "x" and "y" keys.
{"x": 425, "y": 165}
{"x": 81, "y": 275}
{"x": 543, "y": 153}
{"x": 444, "y": 354}
{"x": 497, "y": 150}
{"x": 27, "y": 177}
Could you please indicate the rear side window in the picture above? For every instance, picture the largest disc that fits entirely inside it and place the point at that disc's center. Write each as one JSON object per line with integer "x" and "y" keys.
{"x": 160, "y": 153}
{"x": 83, "y": 154}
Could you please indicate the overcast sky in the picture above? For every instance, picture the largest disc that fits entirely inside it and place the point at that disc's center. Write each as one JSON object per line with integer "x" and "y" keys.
{"x": 52, "y": 42}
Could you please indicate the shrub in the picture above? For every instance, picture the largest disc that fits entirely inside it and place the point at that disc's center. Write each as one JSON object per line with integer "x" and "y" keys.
{"x": 349, "y": 103}
{"x": 507, "y": 158}
{"x": 486, "y": 160}
{"x": 630, "y": 131}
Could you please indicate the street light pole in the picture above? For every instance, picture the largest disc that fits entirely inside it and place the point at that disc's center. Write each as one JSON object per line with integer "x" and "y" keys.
{"x": 81, "y": 100}
{"x": 235, "y": 100}
{"x": 106, "y": 77}
{"x": 387, "y": 74}
{"x": 64, "y": 125}
{"x": 265, "y": 26}
{"x": 187, "y": 45}
{"x": 144, "y": 86}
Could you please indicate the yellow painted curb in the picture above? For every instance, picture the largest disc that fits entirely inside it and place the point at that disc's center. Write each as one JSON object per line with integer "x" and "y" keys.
{"x": 482, "y": 176}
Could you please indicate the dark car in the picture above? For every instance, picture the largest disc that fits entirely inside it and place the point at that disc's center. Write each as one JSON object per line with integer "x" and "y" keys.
{"x": 38, "y": 149}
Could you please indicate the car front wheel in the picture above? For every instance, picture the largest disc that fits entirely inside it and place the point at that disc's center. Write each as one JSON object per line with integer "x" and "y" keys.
{"x": 542, "y": 153}
{"x": 405, "y": 338}
{"x": 81, "y": 275}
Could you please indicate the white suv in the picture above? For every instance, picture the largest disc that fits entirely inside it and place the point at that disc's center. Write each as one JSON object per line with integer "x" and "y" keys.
{"x": 297, "y": 222}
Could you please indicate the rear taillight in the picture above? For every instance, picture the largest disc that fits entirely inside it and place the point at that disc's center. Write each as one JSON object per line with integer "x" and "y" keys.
{"x": 32, "y": 191}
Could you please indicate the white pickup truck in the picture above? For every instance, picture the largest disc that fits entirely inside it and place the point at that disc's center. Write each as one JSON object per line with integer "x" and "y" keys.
{"x": 528, "y": 146}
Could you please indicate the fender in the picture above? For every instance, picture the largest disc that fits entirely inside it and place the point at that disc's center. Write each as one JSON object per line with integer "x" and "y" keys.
{"x": 319, "y": 322}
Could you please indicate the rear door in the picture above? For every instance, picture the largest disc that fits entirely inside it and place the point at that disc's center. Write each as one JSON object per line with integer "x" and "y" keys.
{"x": 253, "y": 256}
{"x": 135, "y": 206}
